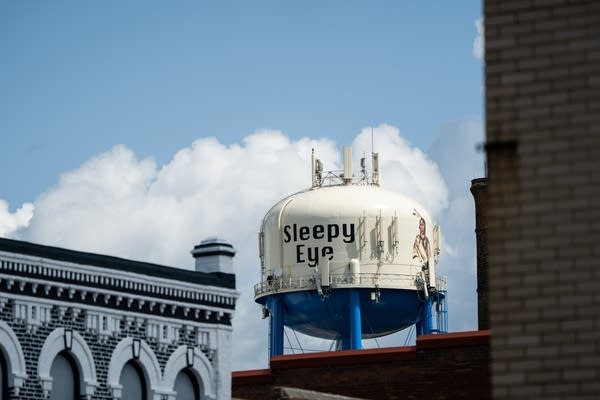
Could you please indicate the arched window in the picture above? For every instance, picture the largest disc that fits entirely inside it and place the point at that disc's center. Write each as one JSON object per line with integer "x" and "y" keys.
{"x": 72, "y": 347}
{"x": 13, "y": 362}
{"x": 3, "y": 378}
{"x": 189, "y": 374}
{"x": 132, "y": 380}
{"x": 186, "y": 386}
{"x": 65, "y": 378}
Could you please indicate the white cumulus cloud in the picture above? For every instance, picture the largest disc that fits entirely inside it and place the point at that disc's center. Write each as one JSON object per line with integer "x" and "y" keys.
{"x": 118, "y": 204}
{"x": 479, "y": 41}
{"x": 10, "y": 223}
{"x": 404, "y": 168}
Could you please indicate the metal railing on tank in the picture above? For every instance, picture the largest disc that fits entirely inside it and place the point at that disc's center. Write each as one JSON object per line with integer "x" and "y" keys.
{"x": 276, "y": 284}
{"x": 371, "y": 279}
{"x": 441, "y": 282}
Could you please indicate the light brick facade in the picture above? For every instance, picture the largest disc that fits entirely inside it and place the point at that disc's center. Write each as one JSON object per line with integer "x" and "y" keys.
{"x": 543, "y": 150}
{"x": 180, "y": 319}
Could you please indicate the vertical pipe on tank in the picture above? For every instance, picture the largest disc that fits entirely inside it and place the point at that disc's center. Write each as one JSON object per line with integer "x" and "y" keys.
{"x": 355, "y": 270}
{"x": 347, "y": 164}
{"x": 355, "y": 321}
{"x": 324, "y": 270}
{"x": 276, "y": 325}
{"x": 375, "y": 166}
{"x": 313, "y": 169}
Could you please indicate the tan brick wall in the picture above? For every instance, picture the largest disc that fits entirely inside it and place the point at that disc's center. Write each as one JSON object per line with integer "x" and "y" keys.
{"x": 543, "y": 149}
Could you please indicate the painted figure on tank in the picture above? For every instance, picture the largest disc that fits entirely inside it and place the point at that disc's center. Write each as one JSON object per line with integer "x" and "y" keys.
{"x": 421, "y": 246}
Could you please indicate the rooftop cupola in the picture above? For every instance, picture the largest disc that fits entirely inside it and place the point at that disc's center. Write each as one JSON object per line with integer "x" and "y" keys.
{"x": 214, "y": 255}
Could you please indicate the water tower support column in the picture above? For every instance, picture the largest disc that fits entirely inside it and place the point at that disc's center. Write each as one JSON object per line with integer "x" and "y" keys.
{"x": 275, "y": 307}
{"x": 425, "y": 324}
{"x": 355, "y": 321}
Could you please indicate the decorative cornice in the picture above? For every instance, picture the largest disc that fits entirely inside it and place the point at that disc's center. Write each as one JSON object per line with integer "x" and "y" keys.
{"x": 122, "y": 282}
{"x": 105, "y": 324}
{"x": 218, "y": 279}
{"x": 75, "y": 298}
{"x": 50, "y": 273}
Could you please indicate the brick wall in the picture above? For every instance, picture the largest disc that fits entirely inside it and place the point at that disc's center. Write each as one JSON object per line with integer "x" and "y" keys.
{"x": 543, "y": 145}
{"x": 438, "y": 367}
{"x": 32, "y": 342}
{"x": 479, "y": 189}
{"x": 108, "y": 304}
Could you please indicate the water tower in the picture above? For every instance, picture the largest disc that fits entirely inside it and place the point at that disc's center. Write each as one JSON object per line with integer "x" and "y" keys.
{"x": 347, "y": 260}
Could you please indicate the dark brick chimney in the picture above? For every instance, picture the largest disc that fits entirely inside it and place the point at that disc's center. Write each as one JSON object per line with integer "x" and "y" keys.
{"x": 479, "y": 188}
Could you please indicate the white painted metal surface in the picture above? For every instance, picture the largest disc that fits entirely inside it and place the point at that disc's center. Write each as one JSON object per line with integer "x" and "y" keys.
{"x": 379, "y": 229}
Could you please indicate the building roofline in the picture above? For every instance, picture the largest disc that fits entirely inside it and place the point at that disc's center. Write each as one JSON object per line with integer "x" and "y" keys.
{"x": 219, "y": 279}
{"x": 360, "y": 357}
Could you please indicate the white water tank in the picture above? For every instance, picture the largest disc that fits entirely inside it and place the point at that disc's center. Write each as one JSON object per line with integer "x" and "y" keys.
{"x": 384, "y": 232}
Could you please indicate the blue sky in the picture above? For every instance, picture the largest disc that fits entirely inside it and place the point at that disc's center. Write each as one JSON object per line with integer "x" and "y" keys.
{"x": 78, "y": 77}
{"x": 139, "y": 128}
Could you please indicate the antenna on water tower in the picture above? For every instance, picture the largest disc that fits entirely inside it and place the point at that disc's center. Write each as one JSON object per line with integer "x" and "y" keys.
{"x": 374, "y": 161}
{"x": 347, "y": 165}
{"x": 372, "y": 145}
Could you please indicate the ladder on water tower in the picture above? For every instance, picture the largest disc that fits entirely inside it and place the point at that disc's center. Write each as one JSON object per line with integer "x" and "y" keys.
{"x": 441, "y": 306}
{"x": 441, "y": 312}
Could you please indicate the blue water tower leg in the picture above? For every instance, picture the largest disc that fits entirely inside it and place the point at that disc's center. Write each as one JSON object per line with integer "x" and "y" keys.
{"x": 355, "y": 321}
{"x": 419, "y": 327}
{"x": 276, "y": 325}
{"x": 425, "y": 325}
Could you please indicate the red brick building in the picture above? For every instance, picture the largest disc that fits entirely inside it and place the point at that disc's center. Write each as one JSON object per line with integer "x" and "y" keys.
{"x": 454, "y": 365}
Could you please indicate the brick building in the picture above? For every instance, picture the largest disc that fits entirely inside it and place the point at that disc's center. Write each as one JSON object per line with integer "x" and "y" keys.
{"x": 543, "y": 140}
{"x": 454, "y": 365}
{"x": 77, "y": 325}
